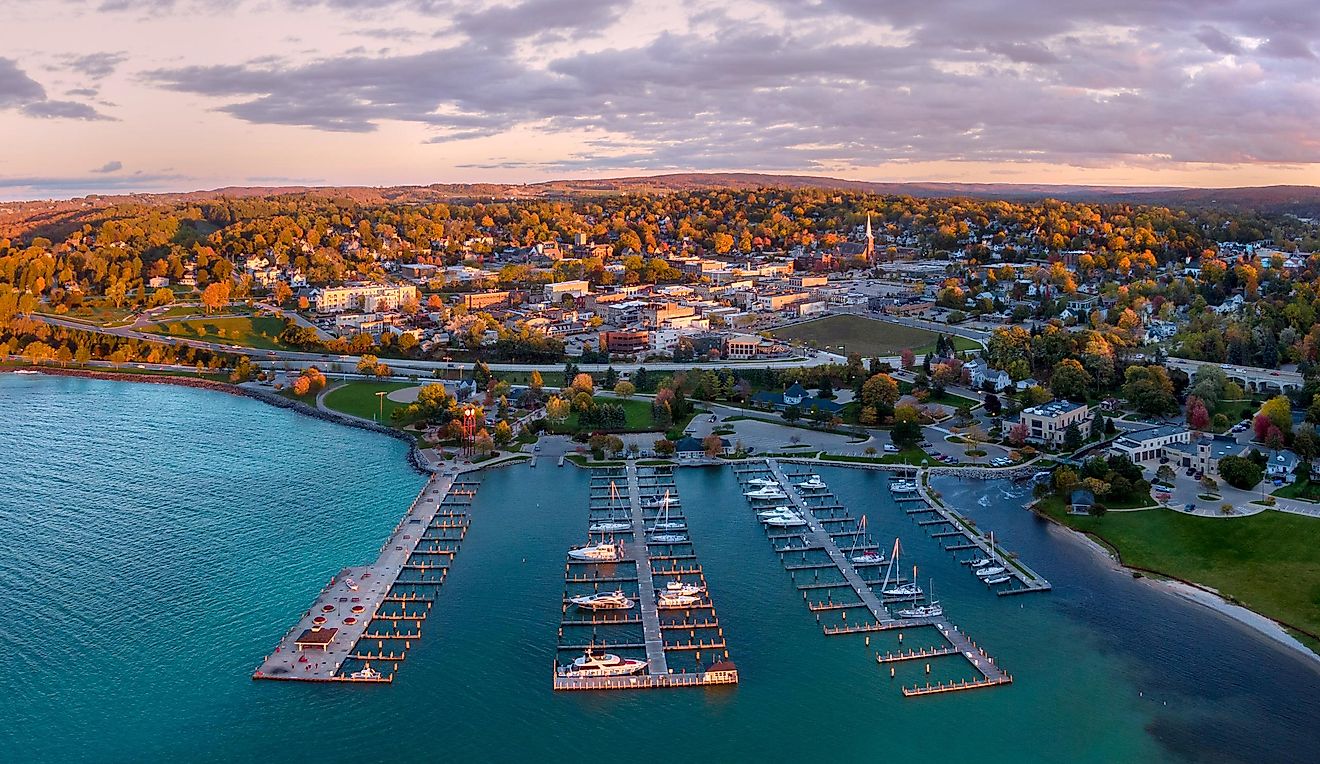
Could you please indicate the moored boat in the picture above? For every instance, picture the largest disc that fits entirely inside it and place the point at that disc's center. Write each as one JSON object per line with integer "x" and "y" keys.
{"x": 605, "y": 664}
{"x": 605, "y": 551}
{"x": 615, "y": 600}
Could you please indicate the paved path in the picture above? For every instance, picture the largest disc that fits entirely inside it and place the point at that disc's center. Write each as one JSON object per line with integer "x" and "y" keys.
{"x": 656, "y": 665}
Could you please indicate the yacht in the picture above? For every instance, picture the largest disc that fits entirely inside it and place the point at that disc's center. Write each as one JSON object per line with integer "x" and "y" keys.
{"x": 615, "y": 600}
{"x": 788, "y": 520}
{"x": 762, "y": 482}
{"x": 669, "y": 599}
{"x": 605, "y": 664}
{"x": 812, "y": 482}
{"x": 678, "y": 587}
{"x": 999, "y": 580}
{"x": 906, "y": 590}
{"x": 989, "y": 572}
{"x": 782, "y": 509}
{"x": 26, "y": 371}
{"x": 604, "y": 551}
{"x": 609, "y": 526}
{"x": 766, "y": 492}
{"x": 668, "y": 538}
{"x": 902, "y": 486}
{"x": 979, "y": 562}
{"x": 933, "y": 610}
{"x": 366, "y": 672}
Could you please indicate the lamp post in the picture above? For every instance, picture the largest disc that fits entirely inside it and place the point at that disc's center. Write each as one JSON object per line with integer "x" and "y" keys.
{"x": 380, "y": 396}
{"x": 469, "y": 430}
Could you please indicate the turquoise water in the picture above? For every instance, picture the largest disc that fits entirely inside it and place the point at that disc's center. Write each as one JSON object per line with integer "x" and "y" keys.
{"x": 183, "y": 530}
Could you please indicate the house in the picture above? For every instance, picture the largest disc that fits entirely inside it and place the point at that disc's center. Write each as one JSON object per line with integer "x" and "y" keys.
{"x": 1282, "y": 467}
{"x": 1048, "y": 422}
{"x": 1081, "y": 502}
{"x": 689, "y": 448}
{"x": 996, "y": 378}
{"x": 795, "y": 396}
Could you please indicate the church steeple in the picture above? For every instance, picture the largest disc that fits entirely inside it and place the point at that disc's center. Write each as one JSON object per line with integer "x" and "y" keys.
{"x": 870, "y": 238}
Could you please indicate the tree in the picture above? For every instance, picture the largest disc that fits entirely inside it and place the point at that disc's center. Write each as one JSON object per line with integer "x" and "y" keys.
{"x": 881, "y": 392}
{"x": 582, "y": 383}
{"x": 907, "y": 358}
{"x": 664, "y": 447}
{"x": 1149, "y": 390}
{"x": 625, "y": 389}
{"x": 1018, "y": 433}
{"x": 1279, "y": 411}
{"x": 1239, "y": 471}
{"x": 215, "y": 296}
{"x": 503, "y": 433}
{"x": 534, "y": 381}
{"x": 368, "y": 364}
{"x": 906, "y": 434}
{"x": 484, "y": 443}
{"x": 713, "y": 445}
{"x": 1072, "y": 437}
{"x": 993, "y": 406}
{"x": 1198, "y": 418}
{"x": 1209, "y": 485}
{"x": 1166, "y": 474}
{"x": 281, "y": 293}
{"x": 1070, "y": 381}
{"x": 301, "y": 386}
{"x": 556, "y": 409}
{"x": 792, "y": 414}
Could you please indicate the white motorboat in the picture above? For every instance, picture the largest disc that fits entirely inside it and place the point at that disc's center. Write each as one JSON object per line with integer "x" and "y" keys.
{"x": 669, "y": 599}
{"x": 812, "y": 482}
{"x": 615, "y": 600}
{"x": 902, "y": 486}
{"x": 999, "y": 580}
{"x": 979, "y": 562}
{"x": 609, "y": 526}
{"x": 779, "y": 510}
{"x": 605, "y": 664}
{"x": 26, "y": 371}
{"x": 766, "y": 492}
{"x": 678, "y": 587}
{"x": 366, "y": 672}
{"x": 659, "y": 503}
{"x": 784, "y": 521}
{"x": 668, "y": 538}
{"x": 762, "y": 482}
{"x": 993, "y": 570}
{"x": 605, "y": 551}
{"x": 933, "y": 610}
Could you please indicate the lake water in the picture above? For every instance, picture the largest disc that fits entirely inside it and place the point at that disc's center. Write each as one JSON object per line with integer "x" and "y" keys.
{"x": 156, "y": 541}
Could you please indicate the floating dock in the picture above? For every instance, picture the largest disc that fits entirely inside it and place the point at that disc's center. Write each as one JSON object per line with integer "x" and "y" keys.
{"x": 683, "y": 645}
{"x": 832, "y": 570}
{"x": 366, "y": 618}
{"x": 950, "y": 524}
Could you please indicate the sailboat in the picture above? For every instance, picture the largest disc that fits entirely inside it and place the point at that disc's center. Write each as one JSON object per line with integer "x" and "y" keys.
{"x": 609, "y": 526}
{"x": 994, "y": 569}
{"x": 933, "y": 610}
{"x": 906, "y": 591}
{"x": 869, "y": 557}
{"x": 664, "y": 523}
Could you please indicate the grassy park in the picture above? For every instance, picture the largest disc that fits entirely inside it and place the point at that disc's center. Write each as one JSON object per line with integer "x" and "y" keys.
{"x": 261, "y": 332}
{"x": 636, "y": 411}
{"x": 1268, "y": 562}
{"x": 359, "y": 399}
{"x": 867, "y": 336}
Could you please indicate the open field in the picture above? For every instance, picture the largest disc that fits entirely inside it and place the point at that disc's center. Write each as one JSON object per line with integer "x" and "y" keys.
{"x": 1267, "y": 562}
{"x": 94, "y": 314}
{"x": 867, "y": 336}
{"x": 261, "y": 332}
{"x": 359, "y": 399}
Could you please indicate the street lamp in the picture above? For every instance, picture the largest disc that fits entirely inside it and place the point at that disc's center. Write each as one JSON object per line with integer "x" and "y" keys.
{"x": 380, "y": 395}
{"x": 469, "y": 429}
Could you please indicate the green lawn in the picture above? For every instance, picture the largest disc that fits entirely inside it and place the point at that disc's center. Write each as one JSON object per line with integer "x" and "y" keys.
{"x": 96, "y": 314}
{"x": 1304, "y": 490}
{"x": 636, "y": 411}
{"x": 183, "y": 311}
{"x": 858, "y": 334}
{"x": 359, "y": 399}
{"x": 261, "y": 332}
{"x": 1267, "y": 562}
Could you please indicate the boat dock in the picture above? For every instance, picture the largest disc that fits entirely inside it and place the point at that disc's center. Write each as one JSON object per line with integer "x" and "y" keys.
{"x": 366, "y": 618}
{"x": 832, "y": 570}
{"x": 681, "y": 640}
{"x": 943, "y": 522}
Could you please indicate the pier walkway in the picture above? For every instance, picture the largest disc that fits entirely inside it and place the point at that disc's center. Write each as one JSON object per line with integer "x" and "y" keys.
{"x": 655, "y": 643}
{"x": 328, "y": 633}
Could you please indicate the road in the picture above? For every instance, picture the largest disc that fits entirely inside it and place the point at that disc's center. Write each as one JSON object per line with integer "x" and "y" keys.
{"x": 1254, "y": 378}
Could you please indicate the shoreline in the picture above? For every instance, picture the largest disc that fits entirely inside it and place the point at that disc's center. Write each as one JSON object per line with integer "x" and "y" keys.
{"x": 1240, "y": 616}
{"x": 256, "y": 394}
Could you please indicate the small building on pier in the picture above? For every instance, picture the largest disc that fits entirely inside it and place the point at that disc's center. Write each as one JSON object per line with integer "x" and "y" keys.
{"x": 318, "y": 639}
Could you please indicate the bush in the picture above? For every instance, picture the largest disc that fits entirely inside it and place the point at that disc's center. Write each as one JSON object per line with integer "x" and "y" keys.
{"x": 1239, "y": 472}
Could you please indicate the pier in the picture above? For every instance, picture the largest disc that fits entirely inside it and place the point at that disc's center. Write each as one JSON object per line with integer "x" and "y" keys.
{"x": 366, "y": 618}
{"x": 682, "y": 641}
{"x": 816, "y": 539}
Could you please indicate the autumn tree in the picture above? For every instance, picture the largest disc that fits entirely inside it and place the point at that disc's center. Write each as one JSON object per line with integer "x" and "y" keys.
{"x": 1198, "y": 418}
{"x": 625, "y": 389}
{"x": 215, "y": 296}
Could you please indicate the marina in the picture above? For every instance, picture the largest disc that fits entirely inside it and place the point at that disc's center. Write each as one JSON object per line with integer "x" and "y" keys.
{"x": 800, "y": 495}
{"x": 362, "y": 624}
{"x": 659, "y": 622}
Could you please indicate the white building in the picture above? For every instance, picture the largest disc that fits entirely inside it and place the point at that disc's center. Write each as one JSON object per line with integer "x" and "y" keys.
{"x": 368, "y": 298}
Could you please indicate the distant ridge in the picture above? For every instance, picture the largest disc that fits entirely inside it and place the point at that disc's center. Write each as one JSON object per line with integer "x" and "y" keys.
{"x": 1300, "y": 200}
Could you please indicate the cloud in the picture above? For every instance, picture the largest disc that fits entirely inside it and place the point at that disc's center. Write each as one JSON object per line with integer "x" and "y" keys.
{"x": 30, "y": 187}
{"x": 21, "y": 92}
{"x": 109, "y": 167}
{"x": 95, "y": 65}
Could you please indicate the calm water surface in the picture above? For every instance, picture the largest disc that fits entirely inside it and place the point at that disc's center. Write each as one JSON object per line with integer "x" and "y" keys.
{"x": 179, "y": 533}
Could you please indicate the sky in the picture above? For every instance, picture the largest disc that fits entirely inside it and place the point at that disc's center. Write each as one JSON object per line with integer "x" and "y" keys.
{"x": 113, "y": 96}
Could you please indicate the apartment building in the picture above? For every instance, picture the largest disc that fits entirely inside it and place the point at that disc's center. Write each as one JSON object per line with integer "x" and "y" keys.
{"x": 1047, "y": 422}
{"x": 368, "y": 298}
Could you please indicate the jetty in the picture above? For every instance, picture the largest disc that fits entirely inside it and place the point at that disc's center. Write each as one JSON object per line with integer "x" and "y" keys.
{"x": 682, "y": 641}
{"x": 821, "y": 513}
{"x": 365, "y": 619}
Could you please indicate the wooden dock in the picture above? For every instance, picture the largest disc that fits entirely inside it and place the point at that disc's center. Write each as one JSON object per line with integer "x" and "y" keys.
{"x": 348, "y": 611}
